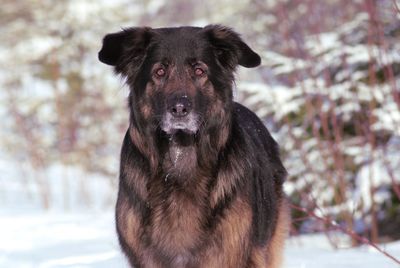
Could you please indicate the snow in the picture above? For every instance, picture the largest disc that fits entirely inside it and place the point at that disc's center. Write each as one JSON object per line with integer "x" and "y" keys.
{"x": 41, "y": 45}
{"x": 314, "y": 251}
{"x": 88, "y": 239}
{"x": 379, "y": 173}
{"x": 56, "y": 239}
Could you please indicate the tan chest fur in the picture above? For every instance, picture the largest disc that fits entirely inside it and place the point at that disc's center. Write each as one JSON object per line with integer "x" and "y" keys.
{"x": 176, "y": 224}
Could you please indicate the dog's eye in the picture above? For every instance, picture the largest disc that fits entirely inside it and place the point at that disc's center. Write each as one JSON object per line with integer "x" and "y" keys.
{"x": 198, "y": 71}
{"x": 160, "y": 72}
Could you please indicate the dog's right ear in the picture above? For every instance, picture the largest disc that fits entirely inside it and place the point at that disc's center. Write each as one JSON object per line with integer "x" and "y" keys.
{"x": 125, "y": 46}
{"x": 112, "y": 48}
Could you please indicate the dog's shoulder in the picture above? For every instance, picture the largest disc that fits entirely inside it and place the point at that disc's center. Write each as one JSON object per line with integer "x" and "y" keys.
{"x": 252, "y": 125}
{"x": 259, "y": 138}
{"x": 267, "y": 172}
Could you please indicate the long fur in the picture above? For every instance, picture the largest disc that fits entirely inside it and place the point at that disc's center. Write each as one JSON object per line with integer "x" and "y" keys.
{"x": 211, "y": 199}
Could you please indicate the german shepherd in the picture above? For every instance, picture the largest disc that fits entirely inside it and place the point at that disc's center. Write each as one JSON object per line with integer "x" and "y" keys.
{"x": 200, "y": 176}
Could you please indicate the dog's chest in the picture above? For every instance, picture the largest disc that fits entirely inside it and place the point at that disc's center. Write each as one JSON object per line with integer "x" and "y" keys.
{"x": 176, "y": 224}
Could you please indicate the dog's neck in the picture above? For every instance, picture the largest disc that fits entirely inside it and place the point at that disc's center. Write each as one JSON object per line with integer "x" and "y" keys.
{"x": 179, "y": 161}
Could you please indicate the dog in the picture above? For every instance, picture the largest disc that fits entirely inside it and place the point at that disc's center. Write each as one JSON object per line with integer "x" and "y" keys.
{"x": 200, "y": 176}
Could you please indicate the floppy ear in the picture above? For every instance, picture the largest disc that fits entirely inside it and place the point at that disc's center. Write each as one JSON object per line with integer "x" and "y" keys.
{"x": 123, "y": 47}
{"x": 112, "y": 48}
{"x": 230, "y": 48}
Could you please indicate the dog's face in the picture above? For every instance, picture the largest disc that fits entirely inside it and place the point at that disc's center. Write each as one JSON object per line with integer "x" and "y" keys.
{"x": 180, "y": 78}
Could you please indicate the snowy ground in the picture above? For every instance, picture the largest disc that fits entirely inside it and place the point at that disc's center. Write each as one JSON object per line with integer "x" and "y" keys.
{"x": 59, "y": 240}
{"x": 46, "y": 240}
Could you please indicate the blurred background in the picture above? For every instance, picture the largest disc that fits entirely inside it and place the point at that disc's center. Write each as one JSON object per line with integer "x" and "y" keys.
{"x": 328, "y": 90}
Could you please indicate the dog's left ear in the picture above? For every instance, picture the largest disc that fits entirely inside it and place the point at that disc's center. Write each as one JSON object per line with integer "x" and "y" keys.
{"x": 230, "y": 48}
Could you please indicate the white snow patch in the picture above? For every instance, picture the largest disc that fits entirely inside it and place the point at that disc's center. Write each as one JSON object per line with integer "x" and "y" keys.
{"x": 378, "y": 174}
{"x": 57, "y": 239}
{"x": 76, "y": 260}
{"x": 314, "y": 251}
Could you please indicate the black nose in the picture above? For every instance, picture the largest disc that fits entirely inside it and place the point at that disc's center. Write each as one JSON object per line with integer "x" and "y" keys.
{"x": 179, "y": 106}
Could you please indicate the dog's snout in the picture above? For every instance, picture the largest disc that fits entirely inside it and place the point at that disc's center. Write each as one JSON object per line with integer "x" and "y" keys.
{"x": 179, "y": 106}
{"x": 179, "y": 115}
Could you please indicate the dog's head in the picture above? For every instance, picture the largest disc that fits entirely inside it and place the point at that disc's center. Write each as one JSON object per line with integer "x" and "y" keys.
{"x": 180, "y": 78}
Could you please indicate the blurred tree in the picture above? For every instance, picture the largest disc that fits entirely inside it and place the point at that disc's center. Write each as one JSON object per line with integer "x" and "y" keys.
{"x": 331, "y": 71}
{"x": 63, "y": 108}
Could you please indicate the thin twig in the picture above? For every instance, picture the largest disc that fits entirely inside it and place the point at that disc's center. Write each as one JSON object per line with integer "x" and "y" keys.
{"x": 347, "y": 231}
{"x": 396, "y": 6}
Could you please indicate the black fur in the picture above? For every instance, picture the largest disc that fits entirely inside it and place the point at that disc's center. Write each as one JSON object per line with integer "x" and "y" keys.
{"x": 229, "y": 157}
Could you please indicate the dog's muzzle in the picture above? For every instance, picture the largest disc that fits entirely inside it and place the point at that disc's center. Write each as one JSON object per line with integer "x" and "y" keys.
{"x": 179, "y": 116}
